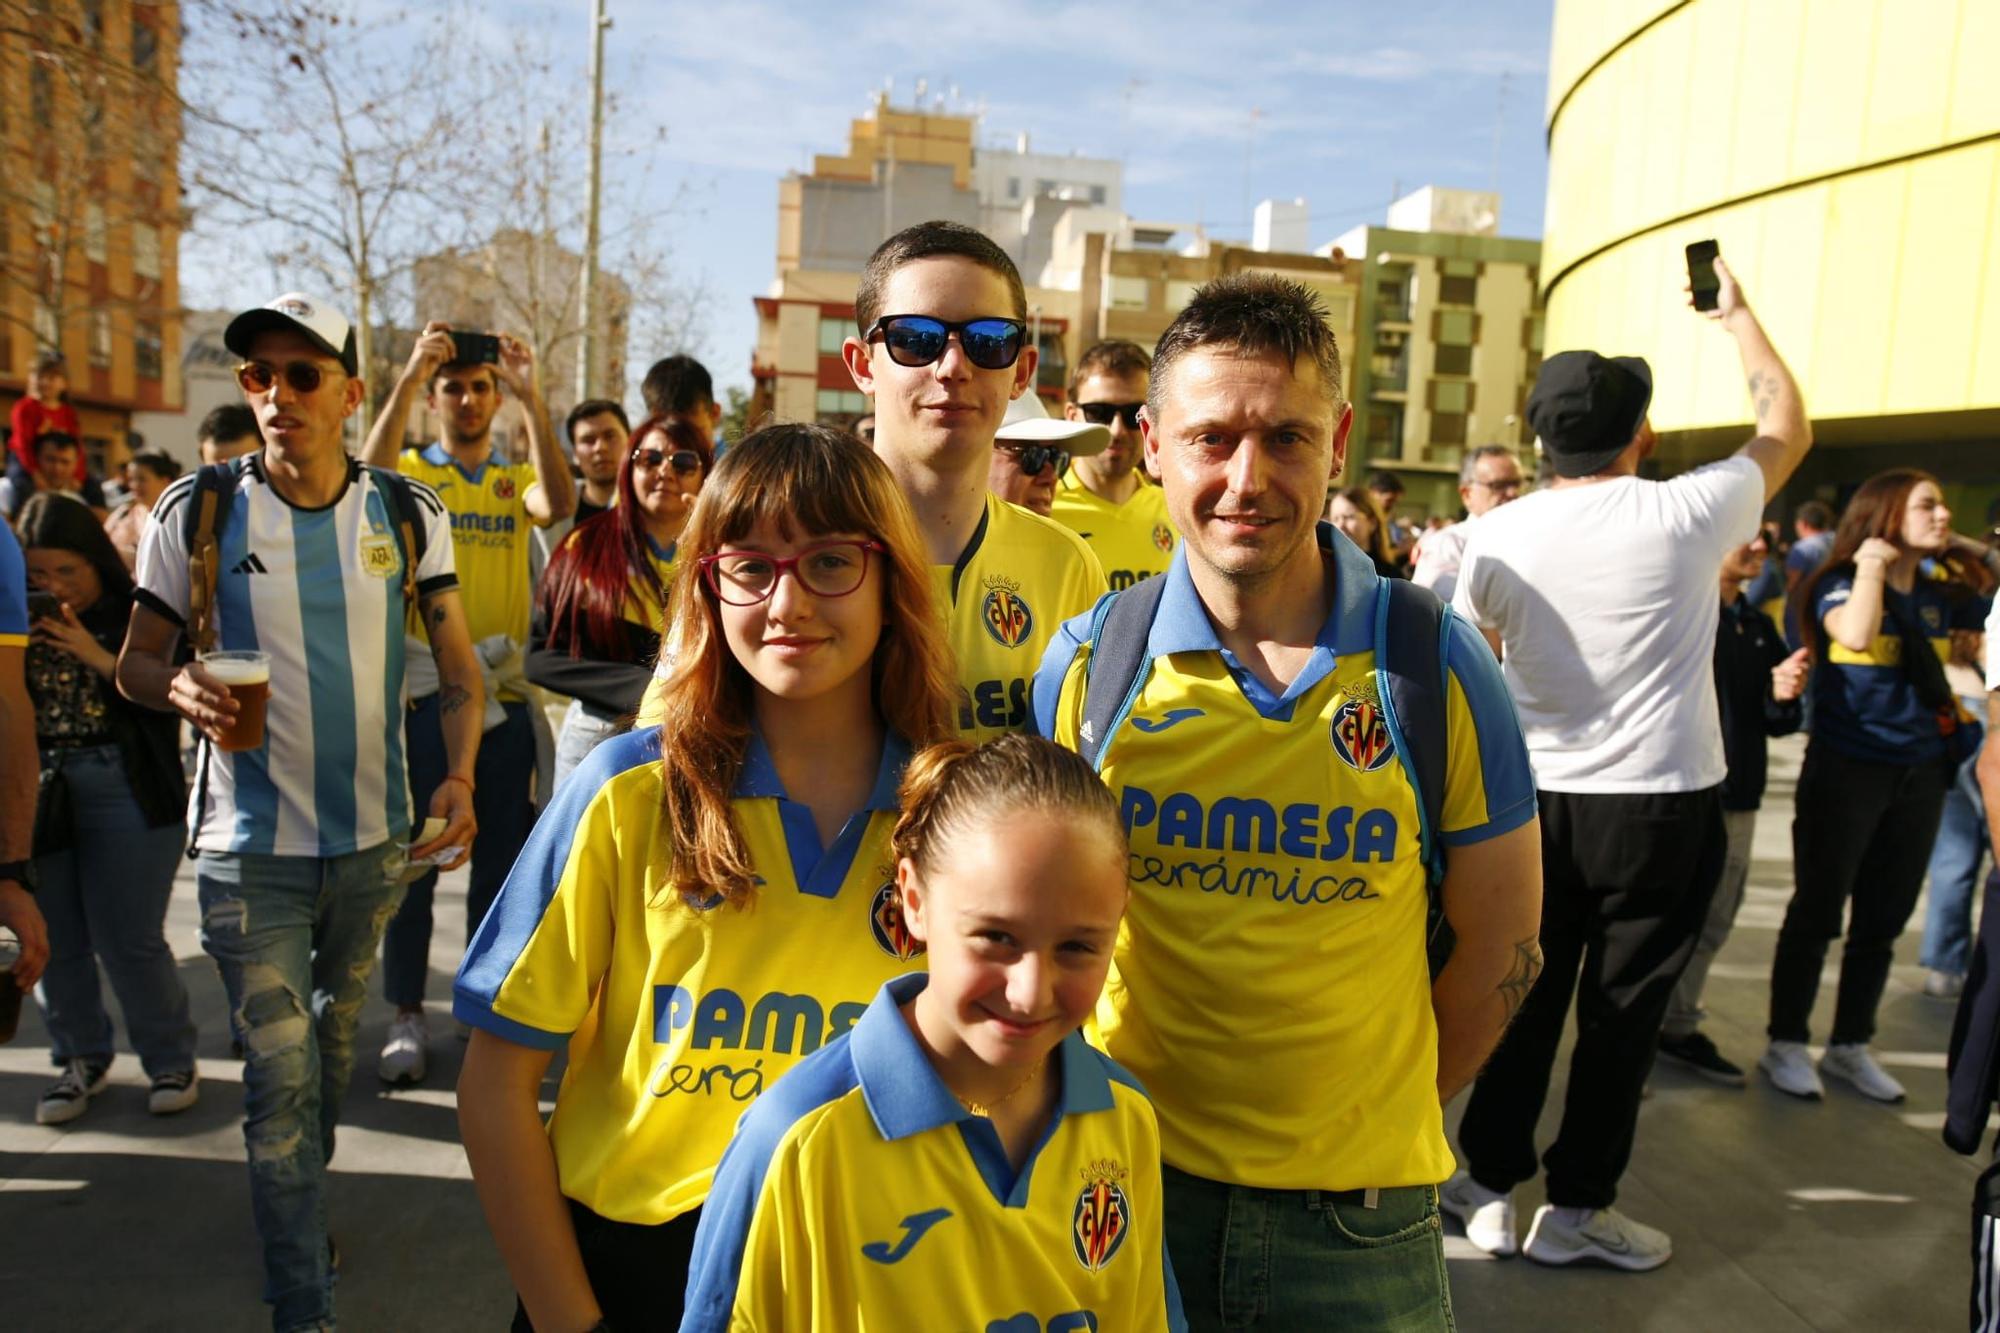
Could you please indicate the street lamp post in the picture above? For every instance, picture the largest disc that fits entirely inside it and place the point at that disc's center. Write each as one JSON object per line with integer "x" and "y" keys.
{"x": 587, "y": 351}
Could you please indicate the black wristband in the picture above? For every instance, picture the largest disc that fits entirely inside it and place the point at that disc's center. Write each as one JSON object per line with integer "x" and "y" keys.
{"x": 21, "y": 872}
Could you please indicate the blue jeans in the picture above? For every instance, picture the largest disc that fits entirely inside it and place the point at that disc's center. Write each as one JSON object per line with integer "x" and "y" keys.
{"x": 105, "y": 901}
{"x": 502, "y": 781}
{"x": 1954, "y": 874}
{"x": 294, "y": 938}
{"x": 1296, "y": 1259}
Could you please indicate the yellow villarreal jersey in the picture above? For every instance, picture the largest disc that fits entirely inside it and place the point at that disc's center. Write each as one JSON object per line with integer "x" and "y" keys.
{"x": 1270, "y": 986}
{"x": 490, "y": 535}
{"x": 678, "y": 1017}
{"x": 862, "y": 1197}
{"x": 1019, "y": 578}
{"x": 1134, "y": 540}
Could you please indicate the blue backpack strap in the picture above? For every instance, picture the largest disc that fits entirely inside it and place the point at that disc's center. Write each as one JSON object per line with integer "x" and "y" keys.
{"x": 206, "y": 516}
{"x": 1119, "y": 629}
{"x": 1412, "y": 634}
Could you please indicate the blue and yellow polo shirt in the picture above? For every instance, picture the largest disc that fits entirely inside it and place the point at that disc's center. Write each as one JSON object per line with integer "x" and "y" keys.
{"x": 1134, "y": 541}
{"x": 861, "y": 1195}
{"x": 1864, "y": 704}
{"x": 491, "y": 535}
{"x": 1019, "y": 577}
{"x": 678, "y": 1017}
{"x": 1270, "y": 985}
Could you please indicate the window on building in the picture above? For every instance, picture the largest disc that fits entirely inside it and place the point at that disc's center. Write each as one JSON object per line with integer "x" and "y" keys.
{"x": 840, "y": 403}
{"x": 1128, "y": 293}
{"x": 1460, "y": 328}
{"x": 833, "y": 333}
{"x": 1179, "y": 293}
{"x": 1385, "y": 427}
{"x": 1013, "y": 187}
{"x": 42, "y": 95}
{"x": 1452, "y": 360}
{"x": 1458, "y": 291}
{"x": 1389, "y": 368}
{"x": 147, "y": 150}
{"x": 146, "y": 250}
{"x": 1447, "y": 428}
{"x": 145, "y": 45}
{"x": 1051, "y": 363}
{"x": 46, "y": 333}
{"x": 93, "y": 233}
{"x": 1450, "y": 396}
{"x": 1097, "y": 194}
{"x": 100, "y": 339}
{"x": 148, "y": 349}
{"x": 1045, "y": 186}
{"x": 93, "y": 23}
{"x": 1392, "y": 296}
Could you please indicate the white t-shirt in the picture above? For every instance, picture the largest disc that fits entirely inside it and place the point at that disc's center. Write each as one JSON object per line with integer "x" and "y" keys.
{"x": 1604, "y": 597}
{"x": 1438, "y": 557}
{"x": 321, "y": 591}
{"x": 1993, "y": 647}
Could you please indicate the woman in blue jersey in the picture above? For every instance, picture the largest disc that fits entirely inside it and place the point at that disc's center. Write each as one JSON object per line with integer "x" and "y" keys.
{"x": 1885, "y": 728}
{"x": 706, "y": 901}
{"x": 885, "y": 1184}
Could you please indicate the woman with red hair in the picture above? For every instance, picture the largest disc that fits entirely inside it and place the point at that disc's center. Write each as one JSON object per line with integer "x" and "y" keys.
{"x": 598, "y": 609}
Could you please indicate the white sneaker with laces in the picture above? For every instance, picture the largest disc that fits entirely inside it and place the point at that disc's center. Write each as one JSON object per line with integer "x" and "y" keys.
{"x": 69, "y": 1096}
{"x": 1789, "y": 1067}
{"x": 1488, "y": 1217}
{"x": 174, "y": 1093}
{"x": 1944, "y": 985}
{"x": 406, "y": 1054}
{"x": 1604, "y": 1236}
{"x": 1855, "y": 1064}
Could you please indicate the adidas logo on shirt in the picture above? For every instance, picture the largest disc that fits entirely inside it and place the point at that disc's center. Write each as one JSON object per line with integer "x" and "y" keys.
{"x": 249, "y": 564}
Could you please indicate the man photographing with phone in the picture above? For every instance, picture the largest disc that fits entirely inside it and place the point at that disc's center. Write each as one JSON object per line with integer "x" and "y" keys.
{"x": 494, "y": 506}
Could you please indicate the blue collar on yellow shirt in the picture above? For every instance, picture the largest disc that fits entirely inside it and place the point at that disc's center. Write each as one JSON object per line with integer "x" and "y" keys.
{"x": 906, "y": 1097}
{"x": 1181, "y": 625}
{"x": 438, "y": 456}
{"x": 819, "y": 871}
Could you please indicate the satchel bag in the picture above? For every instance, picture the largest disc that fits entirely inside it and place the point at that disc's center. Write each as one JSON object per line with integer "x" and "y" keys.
{"x": 55, "y": 813}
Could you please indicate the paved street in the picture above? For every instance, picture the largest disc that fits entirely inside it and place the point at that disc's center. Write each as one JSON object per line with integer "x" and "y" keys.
{"x": 1785, "y": 1215}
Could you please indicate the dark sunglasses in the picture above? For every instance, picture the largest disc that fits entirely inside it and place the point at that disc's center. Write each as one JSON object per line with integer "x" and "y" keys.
{"x": 1103, "y": 414}
{"x": 683, "y": 461}
{"x": 1032, "y": 458}
{"x": 256, "y": 377}
{"x": 919, "y": 340}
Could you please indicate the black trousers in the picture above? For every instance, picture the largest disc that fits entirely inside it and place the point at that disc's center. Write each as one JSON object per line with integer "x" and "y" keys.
{"x": 637, "y": 1272}
{"x": 1863, "y": 831}
{"x": 1626, "y": 882}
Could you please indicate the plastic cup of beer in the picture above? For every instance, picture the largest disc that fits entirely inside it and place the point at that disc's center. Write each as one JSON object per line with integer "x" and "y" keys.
{"x": 247, "y": 675}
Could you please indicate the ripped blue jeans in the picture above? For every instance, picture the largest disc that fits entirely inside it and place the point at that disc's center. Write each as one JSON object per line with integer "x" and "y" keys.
{"x": 295, "y": 939}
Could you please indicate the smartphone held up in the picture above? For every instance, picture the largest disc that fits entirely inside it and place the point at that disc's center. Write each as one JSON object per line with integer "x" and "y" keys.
{"x": 1702, "y": 280}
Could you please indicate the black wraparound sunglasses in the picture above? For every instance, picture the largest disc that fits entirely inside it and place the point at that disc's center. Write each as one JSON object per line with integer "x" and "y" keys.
{"x": 1103, "y": 414}
{"x": 1032, "y": 458}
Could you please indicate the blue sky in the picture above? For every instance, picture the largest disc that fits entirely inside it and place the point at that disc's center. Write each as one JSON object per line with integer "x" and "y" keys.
{"x": 1355, "y": 101}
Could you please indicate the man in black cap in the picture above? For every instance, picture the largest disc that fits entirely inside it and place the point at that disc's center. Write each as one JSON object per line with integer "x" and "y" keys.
{"x": 1599, "y": 593}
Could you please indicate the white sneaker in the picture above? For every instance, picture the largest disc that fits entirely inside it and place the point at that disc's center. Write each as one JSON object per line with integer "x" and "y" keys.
{"x": 1605, "y": 1236}
{"x": 1488, "y": 1217}
{"x": 1944, "y": 985}
{"x": 174, "y": 1093}
{"x": 405, "y": 1054}
{"x": 69, "y": 1096}
{"x": 1789, "y": 1067}
{"x": 1853, "y": 1063}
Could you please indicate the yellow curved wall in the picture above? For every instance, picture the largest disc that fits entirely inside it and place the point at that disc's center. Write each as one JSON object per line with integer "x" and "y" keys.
{"x": 1846, "y": 155}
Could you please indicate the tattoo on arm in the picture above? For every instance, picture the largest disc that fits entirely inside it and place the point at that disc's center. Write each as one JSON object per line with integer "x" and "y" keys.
{"x": 452, "y": 698}
{"x": 437, "y": 617}
{"x": 1520, "y": 978}
{"x": 1763, "y": 392}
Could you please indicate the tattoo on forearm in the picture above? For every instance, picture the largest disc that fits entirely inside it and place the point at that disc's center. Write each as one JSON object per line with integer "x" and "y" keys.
{"x": 1521, "y": 974}
{"x": 452, "y": 698}
{"x": 437, "y": 617}
{"x": 1763, "y": 392}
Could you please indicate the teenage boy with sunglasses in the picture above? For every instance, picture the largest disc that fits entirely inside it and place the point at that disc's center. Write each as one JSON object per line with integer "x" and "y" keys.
{"x": 1105, "y": 499}
{"x": 941, "y": 351}
{"x": 495, "y": 507}
{"x": 301, "y": 840}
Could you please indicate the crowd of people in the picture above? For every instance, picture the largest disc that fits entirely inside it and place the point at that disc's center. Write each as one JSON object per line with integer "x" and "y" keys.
{"x": 973, "y": 799}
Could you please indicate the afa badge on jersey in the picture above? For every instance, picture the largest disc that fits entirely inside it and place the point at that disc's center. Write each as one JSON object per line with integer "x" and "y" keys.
{"x": 1103, "y": 1215}
{"x": 885, "y": 920}
{"x": 1007, "y": 616}
{"x": 1360, "y": 733}
{"x": 379, "y": 557}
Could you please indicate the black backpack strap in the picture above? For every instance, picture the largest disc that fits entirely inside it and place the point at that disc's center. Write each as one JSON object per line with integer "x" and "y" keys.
{"x": 206, "y": 516}
{"x": 1412, "y": 636}
{"x": 406, "y": 517}
{"x": 1119, "y": 629}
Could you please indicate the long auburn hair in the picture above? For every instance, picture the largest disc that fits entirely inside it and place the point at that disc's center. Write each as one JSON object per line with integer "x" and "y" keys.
{"x": 796, "y": 478}
{"x": 590, "y": 576}
{"x": 1876, "y": 510}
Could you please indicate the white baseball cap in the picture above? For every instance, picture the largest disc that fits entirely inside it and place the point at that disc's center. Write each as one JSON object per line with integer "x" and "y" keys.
{"x": 1028, "y": 422}
{"x": 317, "y": 320}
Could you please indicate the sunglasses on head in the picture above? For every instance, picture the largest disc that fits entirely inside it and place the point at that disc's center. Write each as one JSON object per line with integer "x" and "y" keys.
{"x": 682, "y": 461}
{"x": 257, "y": 377}
{"x": 1032, "y": 458}
{"x": 919, "y": 340}
{"x": 1103, "y": 414}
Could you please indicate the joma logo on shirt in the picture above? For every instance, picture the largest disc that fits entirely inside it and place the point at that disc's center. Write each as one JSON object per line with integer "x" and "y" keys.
{"x": 723, "y": 1020}
{"x": 1247, "y": 824}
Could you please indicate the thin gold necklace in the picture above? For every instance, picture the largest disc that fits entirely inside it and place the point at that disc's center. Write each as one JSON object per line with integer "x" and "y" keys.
{"x": 986, "y": 1108}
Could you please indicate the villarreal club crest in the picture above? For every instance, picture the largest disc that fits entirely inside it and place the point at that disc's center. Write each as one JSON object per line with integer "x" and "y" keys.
{"x": 1103, "y": 1215}
{"x": 1007, "y": 616}
{"x": 885, "y": 921}
{"x": 1360, "y": 731}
